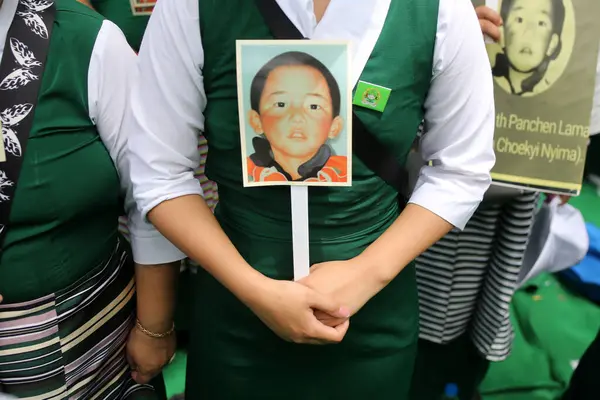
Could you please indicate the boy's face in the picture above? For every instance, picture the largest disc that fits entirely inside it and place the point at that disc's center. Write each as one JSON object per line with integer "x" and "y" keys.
{"x": 296, "y": 114}
{"x": 529, "y": 34}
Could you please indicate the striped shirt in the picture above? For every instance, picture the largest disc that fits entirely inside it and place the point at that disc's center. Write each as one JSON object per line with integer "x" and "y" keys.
{"x": 467, "y": 279}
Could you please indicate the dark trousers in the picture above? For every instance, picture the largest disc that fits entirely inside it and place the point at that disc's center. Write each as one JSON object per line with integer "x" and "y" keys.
{"x": 592, "y": 162}
{"x": 437, "y": 365}
{"x": 585, "y": 383}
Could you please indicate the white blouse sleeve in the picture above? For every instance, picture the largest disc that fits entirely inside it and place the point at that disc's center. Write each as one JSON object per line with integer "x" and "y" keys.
{"x": 112, "y": 68}
{"x": 459, "y": 119}
{"x": 165, "y": 114}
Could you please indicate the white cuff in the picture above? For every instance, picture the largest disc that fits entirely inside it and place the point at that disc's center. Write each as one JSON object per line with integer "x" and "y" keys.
{"x": 449, "y": 202}
{"x": 154, "y": 250}
{"x": 152, "y": 198}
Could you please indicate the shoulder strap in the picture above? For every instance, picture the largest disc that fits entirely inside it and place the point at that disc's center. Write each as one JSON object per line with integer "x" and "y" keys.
{"x": 364, "y": 144}
{"x": 21, "y": 72}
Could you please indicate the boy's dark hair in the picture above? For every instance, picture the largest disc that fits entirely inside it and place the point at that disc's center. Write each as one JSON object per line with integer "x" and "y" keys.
{"x": 558, "y": 19}
{"x": 294, "y": 58}
{"x": 502, "y": 64}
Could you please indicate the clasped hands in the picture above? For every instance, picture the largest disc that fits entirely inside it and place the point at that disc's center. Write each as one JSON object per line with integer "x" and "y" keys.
{"x": 316, "y": 309}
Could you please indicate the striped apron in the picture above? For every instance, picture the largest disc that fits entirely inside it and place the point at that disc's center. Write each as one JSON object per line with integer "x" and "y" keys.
{"x": 71, "y": 344}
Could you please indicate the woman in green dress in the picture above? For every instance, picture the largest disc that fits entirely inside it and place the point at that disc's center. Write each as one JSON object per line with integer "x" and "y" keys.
{"x": 349, "y": 330}
{"x": 66, "y": 275}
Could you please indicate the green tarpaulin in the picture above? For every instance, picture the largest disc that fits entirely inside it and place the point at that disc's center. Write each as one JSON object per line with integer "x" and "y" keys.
{"x": 553, "y": 328}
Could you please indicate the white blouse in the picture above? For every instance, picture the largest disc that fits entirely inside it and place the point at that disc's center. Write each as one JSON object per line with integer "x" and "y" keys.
{"x": 167, "y": 102}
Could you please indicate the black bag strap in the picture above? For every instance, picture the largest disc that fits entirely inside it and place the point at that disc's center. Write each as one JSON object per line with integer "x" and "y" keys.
{"x": 365, "y": 145}
{"x": 21, "y": 70}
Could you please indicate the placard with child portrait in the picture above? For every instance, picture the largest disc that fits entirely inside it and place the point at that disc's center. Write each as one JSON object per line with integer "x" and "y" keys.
{"x": 544, "y": 69}
{"x": 295, "y": 105}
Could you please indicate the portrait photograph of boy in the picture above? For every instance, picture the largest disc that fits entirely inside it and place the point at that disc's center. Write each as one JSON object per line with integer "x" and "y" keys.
{"x": 536, "y": 45}
{"x": 295, "y": 113}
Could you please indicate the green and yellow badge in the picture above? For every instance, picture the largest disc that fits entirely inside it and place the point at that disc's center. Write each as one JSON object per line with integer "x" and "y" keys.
{"x": 371, "y": 96}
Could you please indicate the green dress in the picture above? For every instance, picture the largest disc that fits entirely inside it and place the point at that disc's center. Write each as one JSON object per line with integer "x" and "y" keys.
{"x": 68, "y": 194}
{"x": 232, "y": 354}
{"x": 66, "y": 276}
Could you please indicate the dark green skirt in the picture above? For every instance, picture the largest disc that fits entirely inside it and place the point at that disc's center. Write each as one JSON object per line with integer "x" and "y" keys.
{"x": 233, "y": 355}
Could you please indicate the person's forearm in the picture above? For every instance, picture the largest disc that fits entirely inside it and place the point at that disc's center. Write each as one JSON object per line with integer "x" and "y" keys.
{"x": 156, "y": 295}
{"x": 413, "y": 232}
{"x": 190, "y": 225}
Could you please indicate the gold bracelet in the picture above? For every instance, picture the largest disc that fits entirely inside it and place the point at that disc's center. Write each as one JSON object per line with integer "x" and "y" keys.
{"x": 154, "y": 335}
